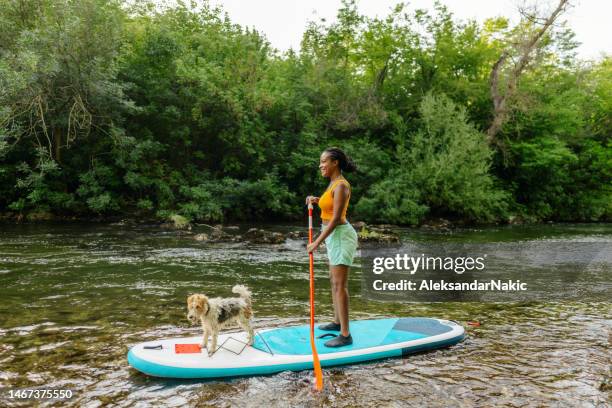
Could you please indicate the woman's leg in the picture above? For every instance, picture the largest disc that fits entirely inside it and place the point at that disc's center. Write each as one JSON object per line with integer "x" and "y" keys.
{"x": 339, "y": 275}
{"x": 333, "y": 295}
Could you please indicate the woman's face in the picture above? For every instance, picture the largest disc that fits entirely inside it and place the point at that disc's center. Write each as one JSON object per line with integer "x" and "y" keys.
{"x": 327, "y": 165}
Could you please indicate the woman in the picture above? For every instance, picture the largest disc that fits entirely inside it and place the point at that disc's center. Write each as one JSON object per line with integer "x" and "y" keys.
{"x": 340, "y": 238}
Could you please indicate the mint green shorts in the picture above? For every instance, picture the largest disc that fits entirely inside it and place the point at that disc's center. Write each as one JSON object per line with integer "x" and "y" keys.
{"x": 341, "y": 245}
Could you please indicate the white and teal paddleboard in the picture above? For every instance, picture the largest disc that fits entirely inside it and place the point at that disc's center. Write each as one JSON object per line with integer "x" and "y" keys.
{"x": 288, "y": 348}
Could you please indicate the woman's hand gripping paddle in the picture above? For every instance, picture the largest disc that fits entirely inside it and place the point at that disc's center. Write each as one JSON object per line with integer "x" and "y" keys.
{"x": 315, "y": 355}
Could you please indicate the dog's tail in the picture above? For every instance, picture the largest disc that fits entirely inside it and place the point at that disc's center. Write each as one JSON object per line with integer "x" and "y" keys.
{"x": 244, "y": 293}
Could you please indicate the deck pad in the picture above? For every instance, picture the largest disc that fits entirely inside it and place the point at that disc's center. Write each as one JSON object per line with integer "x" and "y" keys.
{"x": 365, "y": 333}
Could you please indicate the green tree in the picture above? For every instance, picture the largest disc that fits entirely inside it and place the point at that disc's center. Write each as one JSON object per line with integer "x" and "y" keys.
{"x": 58, "y": 81}
{"x": 442, "y": 169}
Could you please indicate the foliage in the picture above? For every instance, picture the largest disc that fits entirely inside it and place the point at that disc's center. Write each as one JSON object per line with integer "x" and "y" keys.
{"x": 554, "y": 182}
{"x": 441, "y": 168}
{"x": 113, "y": 107}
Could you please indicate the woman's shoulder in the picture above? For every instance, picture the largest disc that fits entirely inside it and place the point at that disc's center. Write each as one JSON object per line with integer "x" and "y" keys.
{"x": 342, "y": 182}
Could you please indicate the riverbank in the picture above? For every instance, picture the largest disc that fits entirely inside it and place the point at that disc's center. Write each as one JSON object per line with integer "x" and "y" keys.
{"x": 427, "y": 223}
{"x": 368, "y": 233}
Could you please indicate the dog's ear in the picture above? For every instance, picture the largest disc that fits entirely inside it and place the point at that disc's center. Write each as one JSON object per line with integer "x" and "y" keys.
{"x": 190, "y": 300}
{"x": 203, "y": 303}
{"x": 199, "y": 302}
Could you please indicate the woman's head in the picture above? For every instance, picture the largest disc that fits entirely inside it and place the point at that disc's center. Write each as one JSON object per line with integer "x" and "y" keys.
{"x": 334, "y": 159}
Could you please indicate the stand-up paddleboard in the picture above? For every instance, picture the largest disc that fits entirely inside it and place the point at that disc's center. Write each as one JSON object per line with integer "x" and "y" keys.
{"x": 288, "y": 348}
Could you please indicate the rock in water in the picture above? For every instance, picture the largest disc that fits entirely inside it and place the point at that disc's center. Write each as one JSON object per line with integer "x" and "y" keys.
{"x": 374, "y": 234}
{"x": 260, "y": 236}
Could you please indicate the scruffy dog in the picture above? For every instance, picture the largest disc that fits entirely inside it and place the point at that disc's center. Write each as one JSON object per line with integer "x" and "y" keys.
{"x": 217, "y": 313}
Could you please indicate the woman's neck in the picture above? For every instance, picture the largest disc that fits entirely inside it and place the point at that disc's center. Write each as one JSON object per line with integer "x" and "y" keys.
{"x": 335, "y": 176}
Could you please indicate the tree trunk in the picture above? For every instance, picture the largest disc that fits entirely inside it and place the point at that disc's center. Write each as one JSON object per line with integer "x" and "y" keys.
{"x": 500, "y": 99}
{"x": 57, "y": 141}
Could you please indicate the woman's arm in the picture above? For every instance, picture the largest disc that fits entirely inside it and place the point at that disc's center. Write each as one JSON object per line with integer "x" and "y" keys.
{"x": 341, "y": 194}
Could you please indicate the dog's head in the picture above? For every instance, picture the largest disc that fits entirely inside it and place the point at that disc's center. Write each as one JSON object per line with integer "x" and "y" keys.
{"x": 197, "y": 306}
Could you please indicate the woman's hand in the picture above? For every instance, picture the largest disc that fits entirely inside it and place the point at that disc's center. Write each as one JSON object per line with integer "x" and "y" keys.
{"x": 313, "y": 246}
{"x": 312, "y": 199}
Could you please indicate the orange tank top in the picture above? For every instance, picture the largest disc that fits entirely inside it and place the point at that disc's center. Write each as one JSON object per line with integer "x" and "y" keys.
{"x": 326, "y": 201}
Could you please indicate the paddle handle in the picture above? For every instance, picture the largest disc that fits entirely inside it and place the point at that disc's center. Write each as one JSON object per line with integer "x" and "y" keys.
{"x": 315, "y": 355}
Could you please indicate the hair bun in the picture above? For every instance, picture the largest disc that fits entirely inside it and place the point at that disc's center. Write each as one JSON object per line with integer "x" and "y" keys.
{"x": 344, "y": 161}
{"x": 350, "y": 165}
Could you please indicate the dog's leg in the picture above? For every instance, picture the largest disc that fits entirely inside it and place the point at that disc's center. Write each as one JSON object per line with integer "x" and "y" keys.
{"x": 205, "y": 338}
{"x": 213, "y": 347}
{"x": 245, "y": 324}
{"x": 251, "y": 334}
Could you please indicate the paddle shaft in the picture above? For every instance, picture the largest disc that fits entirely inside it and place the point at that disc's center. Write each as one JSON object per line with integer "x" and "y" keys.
{"x": 315, "y": 355}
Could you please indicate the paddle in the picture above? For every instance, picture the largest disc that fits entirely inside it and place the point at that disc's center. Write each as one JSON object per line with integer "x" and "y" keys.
{"x": 315, "y": 355}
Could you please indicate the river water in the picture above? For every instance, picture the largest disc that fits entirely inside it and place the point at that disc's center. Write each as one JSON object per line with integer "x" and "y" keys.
{"x": 75, "y": 297}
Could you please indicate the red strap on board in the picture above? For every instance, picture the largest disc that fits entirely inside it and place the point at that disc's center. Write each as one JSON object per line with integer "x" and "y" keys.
{"x": 187, "y": 348}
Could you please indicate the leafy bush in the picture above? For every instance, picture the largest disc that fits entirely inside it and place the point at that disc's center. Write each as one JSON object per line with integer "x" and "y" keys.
{"x": 443, "y": 168}
{"x": 554, "y": 182}
{"x": 218, "y": 200}
{"x": 40, "y": 187}
{"x": 97, "y": 189}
